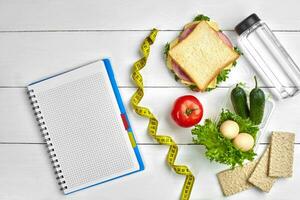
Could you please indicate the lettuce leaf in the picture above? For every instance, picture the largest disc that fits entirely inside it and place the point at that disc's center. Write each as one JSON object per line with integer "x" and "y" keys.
{"x": 166, "y": 48}
{"x": 223, "y": 75}
{"x": 201, "y": 17}
{"x": 220, "y": 149}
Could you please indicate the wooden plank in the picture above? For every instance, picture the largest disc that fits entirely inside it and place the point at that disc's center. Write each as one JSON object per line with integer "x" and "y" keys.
{"x": 143, "y": 14}
{"x": 25, "y": 57}
{"x": 18, "y": 124}
{"x": 26, "y": 173}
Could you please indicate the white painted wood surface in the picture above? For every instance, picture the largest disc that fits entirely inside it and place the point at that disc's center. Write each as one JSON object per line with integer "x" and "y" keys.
{"x": 27, "y": 174}
{"x": 139, "y": 15}
{"x": 41, "y": 37}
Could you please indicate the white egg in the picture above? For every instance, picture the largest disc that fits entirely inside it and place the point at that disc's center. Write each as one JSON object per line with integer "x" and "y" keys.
{"x": 243, "y": 142}
{"x": 229, "y": 129}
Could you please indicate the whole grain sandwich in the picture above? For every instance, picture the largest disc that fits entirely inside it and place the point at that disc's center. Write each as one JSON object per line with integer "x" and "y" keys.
{"x": 202, "y": 55}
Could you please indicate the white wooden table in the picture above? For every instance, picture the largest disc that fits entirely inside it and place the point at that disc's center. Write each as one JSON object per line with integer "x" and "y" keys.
{"x": 41, "y": 37}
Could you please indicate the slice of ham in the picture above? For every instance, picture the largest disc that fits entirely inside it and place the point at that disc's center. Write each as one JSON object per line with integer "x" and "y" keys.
{"x": 225, "y": 39}
{"x": 181, "y": 74}
{"x": 186, "y": 32}
{"x": 176, "y": 68}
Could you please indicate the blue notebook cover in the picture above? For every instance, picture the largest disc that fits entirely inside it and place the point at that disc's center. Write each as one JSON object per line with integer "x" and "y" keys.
{"x": 123, "y": 115}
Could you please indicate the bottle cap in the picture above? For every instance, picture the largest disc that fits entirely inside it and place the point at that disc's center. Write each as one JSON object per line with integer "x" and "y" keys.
{"x": 246, "y": 23}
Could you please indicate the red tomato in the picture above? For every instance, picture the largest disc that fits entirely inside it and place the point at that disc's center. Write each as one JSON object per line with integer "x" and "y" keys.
{"x": 187, "y": 111}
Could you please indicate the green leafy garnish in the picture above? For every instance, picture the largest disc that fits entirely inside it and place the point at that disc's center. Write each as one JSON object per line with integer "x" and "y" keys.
{"x": 201, "y": 17}
{"x": 223, "y": 75}
{"x": 218, "y": 148}
{"x": 234, "y": 63}
{"x": 193, "y": 87}
{"x": 167, "y": 48}
{"x": 176, "y": 77}
{"x": 236, "y": 49}
{"x": 209, "y": 89}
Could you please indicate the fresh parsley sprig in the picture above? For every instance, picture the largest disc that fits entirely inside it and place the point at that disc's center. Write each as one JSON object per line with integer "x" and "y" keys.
{"x": 237, "y": 50}
{"x": 193, "y": 87}
{"x": 223, "y": 75}
{"x": 166, "y": 48}
{"x": 201, "y": 17}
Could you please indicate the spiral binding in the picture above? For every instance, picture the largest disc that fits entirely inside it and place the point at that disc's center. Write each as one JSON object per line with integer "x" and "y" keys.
{"x": 43, "y": 128}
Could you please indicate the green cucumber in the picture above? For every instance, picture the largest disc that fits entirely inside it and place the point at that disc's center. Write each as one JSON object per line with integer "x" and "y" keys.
{"x": 257, "y": 104}
{"x": 239, "y": 101}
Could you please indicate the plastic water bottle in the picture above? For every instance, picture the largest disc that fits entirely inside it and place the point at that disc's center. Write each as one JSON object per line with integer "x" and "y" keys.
{"x": 268, "y": 57}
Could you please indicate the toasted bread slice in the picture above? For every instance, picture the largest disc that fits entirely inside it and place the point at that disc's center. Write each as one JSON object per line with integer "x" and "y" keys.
{"x": 202, "y": 55}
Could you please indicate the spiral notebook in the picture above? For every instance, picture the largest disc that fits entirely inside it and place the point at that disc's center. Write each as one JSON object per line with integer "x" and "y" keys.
{"x": 85, "y": 126}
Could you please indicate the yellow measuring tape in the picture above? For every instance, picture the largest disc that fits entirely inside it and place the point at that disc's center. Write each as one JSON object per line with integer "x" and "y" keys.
{"x": 153, "y": 122}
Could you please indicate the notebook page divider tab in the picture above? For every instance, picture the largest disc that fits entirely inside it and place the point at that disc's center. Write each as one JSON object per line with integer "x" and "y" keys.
{"x": 125, "y": 121}
{"x": 128, "y": 129}
{"x": 132, "y": 139}
{"x": 45, "y": 134}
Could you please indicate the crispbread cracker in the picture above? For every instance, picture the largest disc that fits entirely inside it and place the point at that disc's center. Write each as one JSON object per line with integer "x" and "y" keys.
{"x": 202, "y": 55}
{"x": 281, "y": 154}
{"x": 234, "y": 180}
{"x": 259, "y": 177}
